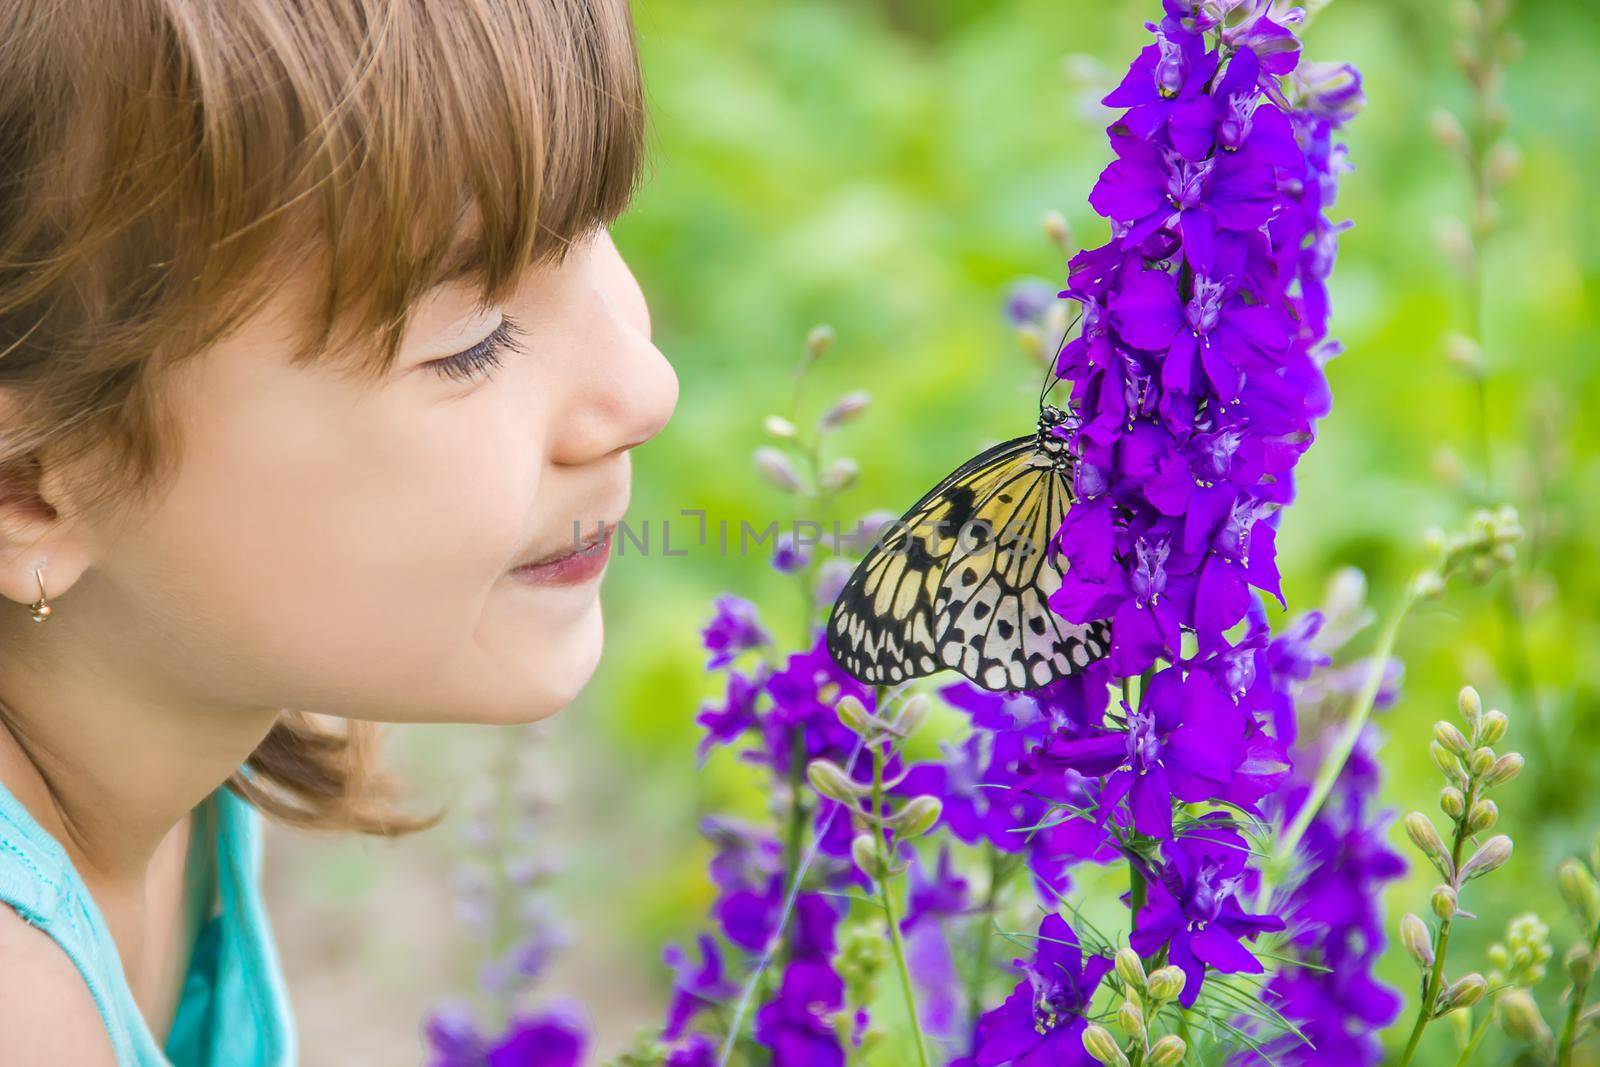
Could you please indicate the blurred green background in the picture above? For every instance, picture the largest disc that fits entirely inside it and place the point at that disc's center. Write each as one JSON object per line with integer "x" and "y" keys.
{"x": 882, "y": 167}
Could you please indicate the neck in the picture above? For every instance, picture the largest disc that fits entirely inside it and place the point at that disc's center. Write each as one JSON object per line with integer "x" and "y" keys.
{"x": 106, "y": 769}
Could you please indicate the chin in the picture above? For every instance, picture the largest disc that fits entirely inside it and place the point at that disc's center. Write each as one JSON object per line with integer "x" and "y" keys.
{"x": 564, "y": 671}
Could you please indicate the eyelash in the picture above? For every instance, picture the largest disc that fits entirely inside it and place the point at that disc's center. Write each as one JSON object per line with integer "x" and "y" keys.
{"x": 483, "y": 357}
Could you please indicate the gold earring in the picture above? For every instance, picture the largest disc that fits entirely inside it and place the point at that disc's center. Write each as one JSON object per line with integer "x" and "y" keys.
{"x": 41, "y": 610}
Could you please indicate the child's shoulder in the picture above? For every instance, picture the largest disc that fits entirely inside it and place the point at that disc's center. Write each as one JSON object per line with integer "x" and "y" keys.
{"x": 47, "y": 1014}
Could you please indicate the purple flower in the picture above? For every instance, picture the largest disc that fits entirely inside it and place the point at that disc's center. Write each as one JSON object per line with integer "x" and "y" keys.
{"x": 1165, "y": 80}
{"x": 694, "y": 988}
{"x": 1329, "y": 91}
{"x": 790, "y": 554}
{"x": 696, "y": 1050}
{"x": 1151, "y": 187}
{"x": 943, "y": 895}
{"x": 1184, "y": 742}
{"x": 1262, "y": 26}
{"x": 798, "y": 1024}
{"x": 1041, "y": 1023}
{"x": 1028, "y": 300}
{"x": 552, "y": 1038}
{"x": 453, "y": 1037}
{"x": 748, "y": 872}
{"x": 1193, "y": 909}
{"x": 804, "y": 694}
{"x": 732, "y": 630}
{"x": 736, "y": 714}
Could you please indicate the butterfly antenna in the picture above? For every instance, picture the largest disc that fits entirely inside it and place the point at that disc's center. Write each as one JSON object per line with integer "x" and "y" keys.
{"x": 1050, "y": 376}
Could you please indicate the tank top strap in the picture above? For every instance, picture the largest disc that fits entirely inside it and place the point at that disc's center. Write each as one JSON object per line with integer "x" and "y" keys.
{"x": 39, "y": 882}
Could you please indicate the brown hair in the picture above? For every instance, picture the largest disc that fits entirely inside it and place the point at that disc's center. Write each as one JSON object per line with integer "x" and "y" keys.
{"x": 164, "y": 162}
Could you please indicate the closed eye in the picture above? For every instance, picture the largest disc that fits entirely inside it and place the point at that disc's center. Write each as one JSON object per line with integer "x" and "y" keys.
{"x": 481, "y": 359}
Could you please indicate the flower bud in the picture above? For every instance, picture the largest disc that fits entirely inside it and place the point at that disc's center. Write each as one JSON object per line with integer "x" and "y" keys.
{"x": 1520, "y": 1017}
{"x": 1447, "y": 130}
{"x": 1443, "y": 901}
{"x": 1484, "y": 814}
{"x": 1031, "y": 338}
{"x": 1470, "y": 705}
{"x": 830, "y": 779}
{"x": 864, "y": 850}
{"x": 839, "y": 475}
{"x": 1491, "y": 856}
{"x": 1130, "y": 968}
{"x": 1166, "y": 983}
{"x": 913, "y": 713}
{"x": 1420, "y": 829}
{"x": 844, "y": 409}
{"x": 1448, "y": 765}
{"x": 1451, "y": 802}
{"x": 1056, "y": 228}
{"x": 1463, "y": 993}
{"x": 1414, "y": 938}
{"x": 853, "y": 714}
{"x": 1427, "y": 585}
{"x": 818, "y": 341}
{"x": 1131, "y": 1018}
{"x": 1480, "y": 761}
{"x": 1580, "y": 891}
{"x": 1098, "y": 1042}
{"x": 779, "y": 427}
{"x": 1505, "y": 163}
{"x": 1580, "y": 964}
{"x": 775, "y": 467}
{"x": 1463, "y": 352}
{"x": 917, "y": 817}
{"x": 1168, "y": 1052}
{"x": 1494, "y": 728}
{"x": 1504, "y": 769}
{"x": 1448, "y": 735}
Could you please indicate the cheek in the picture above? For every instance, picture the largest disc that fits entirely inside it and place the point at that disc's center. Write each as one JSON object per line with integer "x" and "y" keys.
{"x": 356, "y": 565}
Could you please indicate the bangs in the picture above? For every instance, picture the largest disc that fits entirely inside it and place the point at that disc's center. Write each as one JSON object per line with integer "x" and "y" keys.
{"x": 379, "y": 147}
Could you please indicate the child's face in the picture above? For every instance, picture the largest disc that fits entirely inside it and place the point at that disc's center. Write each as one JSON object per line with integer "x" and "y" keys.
{"x": 348, "y": 548}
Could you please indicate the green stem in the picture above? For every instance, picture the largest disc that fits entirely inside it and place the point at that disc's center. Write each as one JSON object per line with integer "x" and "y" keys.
{"x": 978, "y": 982}
{"x": 1430, "y": 993}
{"x": 1580, "y": 991}
{"x": 1435, "y": 986}
{"x": 1333, "y": 764}
{"x": 1478, "y": 1033}
{"x": 797, "y": 811}
{"x": 887, "y": 899}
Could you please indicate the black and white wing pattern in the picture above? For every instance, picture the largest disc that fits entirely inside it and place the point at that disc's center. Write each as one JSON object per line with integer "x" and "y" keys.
{"x": 962, "y": 581}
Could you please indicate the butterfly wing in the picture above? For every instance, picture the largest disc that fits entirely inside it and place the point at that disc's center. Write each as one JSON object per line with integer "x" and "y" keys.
{"x": 929, "y": 596}
{"x": 997, "y": 628}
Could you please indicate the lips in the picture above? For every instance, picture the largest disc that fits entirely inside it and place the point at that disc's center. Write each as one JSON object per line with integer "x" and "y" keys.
{"x": 589, "y": 540}
{"x": 573, "y": 568}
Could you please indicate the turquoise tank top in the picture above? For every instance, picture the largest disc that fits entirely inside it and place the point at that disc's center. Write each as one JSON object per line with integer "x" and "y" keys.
{"x": 234, "y": 1010}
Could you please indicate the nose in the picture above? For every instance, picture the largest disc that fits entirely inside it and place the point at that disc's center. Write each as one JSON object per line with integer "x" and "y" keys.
{"x": 627, "y": 389}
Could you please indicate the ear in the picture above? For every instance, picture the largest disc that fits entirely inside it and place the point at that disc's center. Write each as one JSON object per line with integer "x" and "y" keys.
{"x": 36, "y": 525}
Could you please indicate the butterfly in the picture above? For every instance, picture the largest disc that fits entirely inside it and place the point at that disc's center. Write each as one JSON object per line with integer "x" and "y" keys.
{"x": 962, "y": 581}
